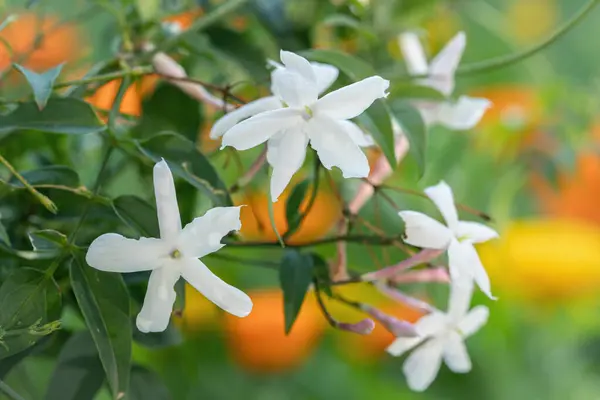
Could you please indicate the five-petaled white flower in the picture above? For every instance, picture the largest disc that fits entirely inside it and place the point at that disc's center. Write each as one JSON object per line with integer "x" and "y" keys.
{"x": 442, "y": 336}
{"x": 323, "y": 122}
{"x": 466, "y": 111}
{"x": 457, "y": 237}
{"x": 172, "y": 256}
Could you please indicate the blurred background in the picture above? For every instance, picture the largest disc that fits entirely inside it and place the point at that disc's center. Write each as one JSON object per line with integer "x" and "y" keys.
{"x": 532, "y": 164}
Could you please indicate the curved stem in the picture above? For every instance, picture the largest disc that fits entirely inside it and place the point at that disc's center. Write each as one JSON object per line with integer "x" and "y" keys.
{"x": 374, "y": 240}
{"x": 9, "y": 392}
{"x": 505, "y": 61}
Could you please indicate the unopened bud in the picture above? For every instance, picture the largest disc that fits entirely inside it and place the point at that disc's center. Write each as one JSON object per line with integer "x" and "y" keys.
{"x": 364, "y": 327}
{"x": 392, "y": 324}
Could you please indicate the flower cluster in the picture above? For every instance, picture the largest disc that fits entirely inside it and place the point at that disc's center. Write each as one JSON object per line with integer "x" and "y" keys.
{"x": 296, "y": 115}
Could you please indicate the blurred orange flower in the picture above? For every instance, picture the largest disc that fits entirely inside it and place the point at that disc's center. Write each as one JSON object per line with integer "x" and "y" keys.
{"x": 104, "y": 98}
{"x": 258, "y": 341}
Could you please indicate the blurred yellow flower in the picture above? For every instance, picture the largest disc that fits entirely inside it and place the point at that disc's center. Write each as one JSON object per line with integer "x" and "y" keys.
{"x": 531, "y": 20}
{"x": 545, "y": 261}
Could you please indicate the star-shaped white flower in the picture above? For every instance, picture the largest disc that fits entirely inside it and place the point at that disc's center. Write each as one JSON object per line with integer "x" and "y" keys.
{"x": 176, "y": 254}
{"x": 462, "y": 114}
{"x": 457, "y": 237}
{"x": 323, "y": 122}
{"x": 441, "y": 336}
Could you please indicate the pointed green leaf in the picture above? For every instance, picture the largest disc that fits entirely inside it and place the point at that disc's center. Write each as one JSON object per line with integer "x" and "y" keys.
{"x": 138, "y": 214}
{"x": 47, "y": 240}
{"x": 4, "y": 235}
{"x": 355, "y": 68}
{"x": 30, "y": 305}
{"x": 41, "y": 84}
{"x": 188, "y": 163}
{"x": 104, "y": 303}
{"x": 414, "y": 128}
{"x": 412, "y": 91}
{"x": 69, "y": 116}
{"x": 292, "y": 206}
{"x": 295, "y": 276}
{"x": 52, "y": 175}
{"x": 321, "y": 272}
{"x": 78, "y": 373}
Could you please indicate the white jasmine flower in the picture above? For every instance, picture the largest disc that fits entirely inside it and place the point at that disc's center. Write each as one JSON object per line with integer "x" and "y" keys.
{"x": 323, "y": 122}
{"x": 462, "y": 114}
{"x": 176, "y": 254}
{"x": 457, "y": 236}
{"x": 441, "y": 336}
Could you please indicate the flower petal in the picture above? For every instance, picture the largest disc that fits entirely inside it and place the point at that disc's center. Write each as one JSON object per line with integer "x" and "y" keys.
{"x": 203, "y": 235}
{"x": 442, "y": 197}
{"x": 358, "y": 136}
{"x": 474, "y": 320}
{"x": 169, "y": 220}
{"x": 326, "y": 75}
{"x": 229, "y": 298}
{"x": 463, "y": 114}
{"x": 444, "y": 64}
{"x": 293, "y": 88}
{"x": 475, "y": 232}
{"x": 352, "y": 100}
{"x": 114, "y": 253}
{"x": 461, "y": 291}
{"x": 422, "y": 366}
{"x": 455, "y": 353}
{"x": 158, "y": 303}
{"x": 414, "y": 56}
{"x": 423, "y": 231}
{"x": 464, "y": 263}
{"x": 431, "y": 324}
{"x": 403, "y": 344}
{"x": 230, "y": 119}
{"x": 335, "y": 147}
{"x": 298, "y": 64}
{"x": 286, "y": 152}
{"x": 259, "y": 128}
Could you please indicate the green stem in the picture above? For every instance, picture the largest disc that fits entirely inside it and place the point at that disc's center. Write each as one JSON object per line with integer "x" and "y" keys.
{"x": 505, "y": 61}
{"x": 46, "y": 202}
{"x": 132, "y": 73}
{"x": 9, "y": 392}
{"x": 373, "y": 240}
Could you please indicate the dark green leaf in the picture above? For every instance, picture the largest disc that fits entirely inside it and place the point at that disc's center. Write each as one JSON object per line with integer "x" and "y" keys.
{"x": 412, "y": 91}
{"x": 138, "y": 214}
{"x": 321, "y": 272}
{"x": 415, "y": 130}
{"x": 179, "y": 305}
{"x": 52, "y": 175}
{"x": 10, "y": 362}
{"x": 69, "y": 115}
{"x": 146, "y": 385}
{"x": 295, "y": 276}
{"x": 293, "y": 212}
{"x": 355, "y": 68}
{"x": 4, "y": 235}
{"x": 30, "y": 306}
{"x": 156, "y": 340}
{"x": 104, "y": 303}
{"x": 47, "y": 240}
{"x": 78, "y": 373}
{"x": 41, "y": 84}
{"x": 188, "y": 163}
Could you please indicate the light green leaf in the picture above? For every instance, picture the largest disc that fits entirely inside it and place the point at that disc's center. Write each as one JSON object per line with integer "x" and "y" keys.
{"x": 69, "y": 116}
{"x": 405, "y": 90}
{"x": 148, "y": 9}
{"x": 415, "y": 130}
{"x": 138, "y": 214}
{"x": 104, "y": 303}
{"x": 41, "y": 84}
{"x": 78, "y": 373}
{"x": 295, "y": 276}
{"x": 188, "y": 163}
{"x": 346, "y": 21}
{"x": 30, "y": 306}
{"x": 355, "y": 68}
{"x": 47, "y": 240}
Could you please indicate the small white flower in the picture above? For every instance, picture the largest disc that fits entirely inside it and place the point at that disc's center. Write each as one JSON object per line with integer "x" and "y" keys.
{"x": 324, "y": 122}
{"x": 457, "y": 237}
{"x": 466, "y": 111}
{"x": 441, "y": 336}
{"x": 172, "y": 256}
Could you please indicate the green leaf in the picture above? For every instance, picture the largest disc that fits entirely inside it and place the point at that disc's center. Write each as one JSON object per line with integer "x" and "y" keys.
{"x": 346, "y": 21}
{"x": 405, "y": 90}
{"x": 158, "y": 340}
{"x": 295, "y": 276}
{"x": 188, "y": 163}
{"x": 148, "y": 9}
{"x": 104, "y": 303}
{"x": 4, "y": 235}
{"x": 41, "y": 84}
{"x": 52, "y": 175}
{"x": 415, "y": 130}
{"x": 69, "y": 116}
{"x": 293, "y": 213}
{"x": 146, "y": 385}
{"x": 321, "y": 272}
{"x": 47, "y": 240}
{"x": 78, "y": 373}
{"x": 179, "y": 305}
{"x": 30, "y": 305}
{"x": 138, "y": 214}
{"x": 376, "y": 119}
